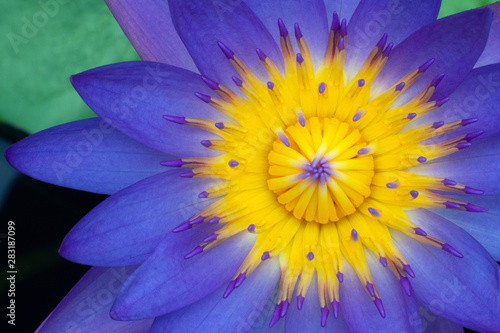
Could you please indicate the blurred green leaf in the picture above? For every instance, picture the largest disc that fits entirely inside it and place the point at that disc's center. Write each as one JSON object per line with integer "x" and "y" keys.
{"x": 450, "y": 7}
{"x": 44, "y": 42}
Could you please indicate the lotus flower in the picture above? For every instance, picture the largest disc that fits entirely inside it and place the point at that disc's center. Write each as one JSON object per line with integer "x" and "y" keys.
{"x": 285, "y": 166}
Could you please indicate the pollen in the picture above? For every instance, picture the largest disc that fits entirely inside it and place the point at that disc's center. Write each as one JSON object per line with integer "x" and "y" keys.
{"x": 314, "y": 165}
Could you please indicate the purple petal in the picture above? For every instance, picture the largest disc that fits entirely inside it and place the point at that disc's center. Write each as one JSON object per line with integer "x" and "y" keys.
{"x": 167, "y": 281}
{"x": 463, "y": 290}
{"x": 477, "y": 97}
{"x": 227, "y": 21}
{"x": 87, "y": 155}
{"x": 454, "y": 41}
{"x": 149, "y": 28}
{"x": 86, "y": 307}
{"x": 372, "y": 19}
{"x": 432, "y": 323}
{"x": 246, "y": 306}
{"x": 485, "y": 227}
{"x": 126, "y": 228}
{"x": 310, "y": 15}
{"x": 344, "y": 9}
{"x": 308, "y": 319}
{"x": 477, "y": 167}
{"x": 360, "y": 313}
{"x": 134, "y": 97}
{"x": 491, "y": 53}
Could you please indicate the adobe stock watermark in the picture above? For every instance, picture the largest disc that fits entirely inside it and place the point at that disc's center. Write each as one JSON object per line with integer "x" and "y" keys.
{"x": 30, "y": 25}
{"x": 91, "y": 138}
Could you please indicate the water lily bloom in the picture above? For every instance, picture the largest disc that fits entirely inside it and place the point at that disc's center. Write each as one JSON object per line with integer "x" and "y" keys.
{"x": 285, "y": 166}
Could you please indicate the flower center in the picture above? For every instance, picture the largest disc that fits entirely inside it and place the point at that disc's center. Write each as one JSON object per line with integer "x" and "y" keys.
{"x": 320, "y": 173}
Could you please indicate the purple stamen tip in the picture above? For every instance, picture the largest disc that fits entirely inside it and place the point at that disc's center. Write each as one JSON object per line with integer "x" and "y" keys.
{"x": 203, "y": 195}
{"x": 408, "y": 270}
{"x": 425, "y": 66}
{"x": 388, "y": 50}
{"x": 237, "y": 81}
{"x": 210, "y": 83}
{"x": 239, "y": 280}
{"x": 437, "y": 124}
{"x": 414, "y": 194}
{"x": 197, "y": 220}
{"x": 383, "y": 261}
{"x": 173, "y": 163}
{"x": 226, "y": 50}
{"x": 203, "y": 97}
{"x": 420, "y": 232}
{"x": 354, "y": 235}
{"x": 476, "y": 209}
{"x": 210, "y": 238}
{"x": 283, "y": 30}
{"x": 182, "y": 227}
{"x": 374, "y": 212}
{"x": 322, "y": 87}
{"x": 394, "y": 184}
{"x": 363, "y": 151}
{"x": 343, "y": 28}
{"x": 335, "y": 22}
{"x": 451, "y": 205}
{"x": 214, "y": 220}
{"x": 370, "y": 289}
{"x": 361, "y": 82}
{"x": 335, "y": 307}
{"x": 219, "y": 125}
{"x": 463, "y": 145}
{"x": 265, "y": 256}
{"x": 405, "y": 283}
{"x": 310, "y": 256}
{"x": 473, "y": 135}
{"x": 469, "y": 121}
{"x": 448, "y": 248}
{"x": 262, "y": 55}
{"x": 449, "y": 182}
{"x": 411, "y": 115}
{"x": 341, "y": 44}
{"x": 470, "y": 190}
{"x": 324, "y": 316}
{"x": 189, "y": 174}
{"x": 302, "y": 120}
{"x": 270, "y": 85}
{"x": 197, "y": 250}
{"x": 233, "y": 163}
{"x": 340, "y": 277}
{"x": 298, "y": 33}
{"x": 421, "y": 159}
{"x": 174, "y": 119}
{"x": 276, "y": 315}
{"x": 358, "y": 116}
{"x": 300, "y": 60}
{"x": 284, "y": 308}
{"x": 437, "y": 80}
{"x": 380, "y": 306}
{"x": 206, "y": 143}
{"x": 400, "y": 86}
{"x": 300, "y": 302}
{"x": 440, "y": 102}
{"x": 229, "y": 289}
{"x": 251, "y": 227}
{"x": 284, "y": 139}
{"x": 380, "y": 45}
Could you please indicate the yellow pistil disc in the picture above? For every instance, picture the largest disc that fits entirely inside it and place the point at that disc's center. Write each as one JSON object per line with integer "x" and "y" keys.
{"x": 322, "y": 174}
